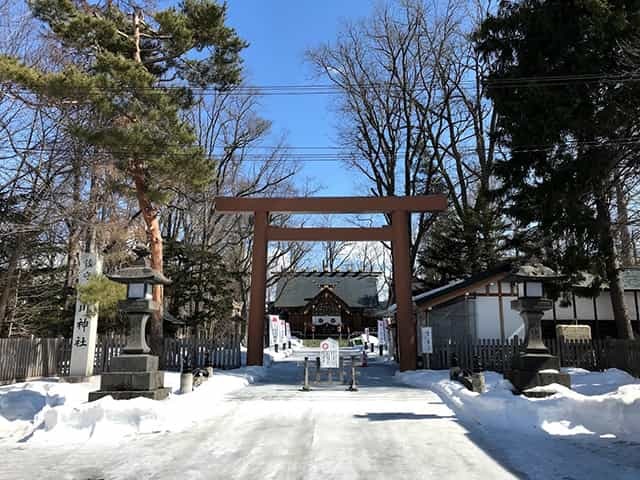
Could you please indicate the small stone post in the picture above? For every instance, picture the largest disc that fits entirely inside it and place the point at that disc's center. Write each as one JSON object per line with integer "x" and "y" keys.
{"x": 353, "y": 387}
{"x": 305, "y": 387}
{"x": 186, "y": 382}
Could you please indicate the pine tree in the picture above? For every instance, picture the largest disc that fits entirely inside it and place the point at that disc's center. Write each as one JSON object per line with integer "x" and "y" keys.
{"x": 565, "y": 120}
{"x": 478, "y": 241}
{"x": 137, "y": 73}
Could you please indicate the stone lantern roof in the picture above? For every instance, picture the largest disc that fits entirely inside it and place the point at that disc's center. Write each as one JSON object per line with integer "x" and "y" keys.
{"x": 536, "y": 272}
{"x": 139, "y": 272}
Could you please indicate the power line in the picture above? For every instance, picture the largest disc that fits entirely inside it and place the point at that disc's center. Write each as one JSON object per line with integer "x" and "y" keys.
{"x": 341, "y": 157}
{"x": 330, "y": 89}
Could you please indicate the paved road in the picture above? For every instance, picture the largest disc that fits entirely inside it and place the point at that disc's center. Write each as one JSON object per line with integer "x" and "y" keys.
{"x": 272, "y": 430}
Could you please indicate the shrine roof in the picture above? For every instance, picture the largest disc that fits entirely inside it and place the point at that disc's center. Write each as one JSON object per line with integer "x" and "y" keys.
{"x": 356, "y": 289}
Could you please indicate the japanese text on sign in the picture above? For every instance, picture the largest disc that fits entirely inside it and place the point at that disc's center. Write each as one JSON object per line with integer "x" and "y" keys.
{"x": 427, "y": 340}
{"x": 329, "y": 353}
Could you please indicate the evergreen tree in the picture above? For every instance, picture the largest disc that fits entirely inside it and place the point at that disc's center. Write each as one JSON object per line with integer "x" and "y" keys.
{"x": 136, "y": 72}
{"x": 567, "y": 122}
{"x": 201, "y": 292}
{"x": 456, "y": 248}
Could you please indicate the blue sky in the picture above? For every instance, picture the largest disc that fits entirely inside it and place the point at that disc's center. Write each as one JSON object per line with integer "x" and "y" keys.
{"x": 279, "y": 32}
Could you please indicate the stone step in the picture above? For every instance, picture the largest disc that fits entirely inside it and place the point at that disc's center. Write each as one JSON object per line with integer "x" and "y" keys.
{"x": 134, "y": 363}
{"x": 135, "y": 381}
{"x": 157, "y": 394}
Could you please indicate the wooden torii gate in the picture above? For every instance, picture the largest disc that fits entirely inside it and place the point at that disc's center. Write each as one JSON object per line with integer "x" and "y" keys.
{"x": 399, "y": 208}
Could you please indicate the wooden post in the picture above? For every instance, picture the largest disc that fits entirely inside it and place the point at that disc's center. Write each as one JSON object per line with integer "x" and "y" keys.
{"x": 258, "y": 285}
{"x": 402, "y": 284}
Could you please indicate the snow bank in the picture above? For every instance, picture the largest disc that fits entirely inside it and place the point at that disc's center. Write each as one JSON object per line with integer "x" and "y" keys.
{"x": 21, "y": 402}
{"x": 602, "y": 403}
{"x": 64, "y": 416}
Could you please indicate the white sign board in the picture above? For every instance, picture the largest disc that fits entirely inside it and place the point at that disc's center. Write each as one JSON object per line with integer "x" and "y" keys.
{"x": 366, "y": 334}
{"x": 288, "y": 331}
{"x": 329, "y": 353}
{"x": 85, "y": 323}
{"x": 283, "y": 332}
{"x": 382, "y": 332}
{"x": 427, "y": 340}
{"x": 274, "y": 328}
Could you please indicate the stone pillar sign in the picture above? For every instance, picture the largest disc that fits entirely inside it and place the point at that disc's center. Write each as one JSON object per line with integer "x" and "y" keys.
{"x": 85, "y": 324}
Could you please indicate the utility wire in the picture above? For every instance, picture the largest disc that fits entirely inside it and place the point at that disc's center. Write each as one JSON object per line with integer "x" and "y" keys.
{"x": 337, "y": 157}
{"x": 331, "y": 89}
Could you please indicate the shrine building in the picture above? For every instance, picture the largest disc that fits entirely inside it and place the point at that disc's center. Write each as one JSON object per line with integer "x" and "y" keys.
{"x": 321, "y": 304}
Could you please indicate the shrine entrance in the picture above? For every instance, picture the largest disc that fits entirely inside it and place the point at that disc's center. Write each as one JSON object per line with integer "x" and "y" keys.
{"x": 399, "y": 208}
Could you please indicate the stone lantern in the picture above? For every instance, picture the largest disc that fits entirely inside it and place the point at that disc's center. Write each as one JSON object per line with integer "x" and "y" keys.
{"x": 135, "y": 373}
{"x": 535, "y": 366}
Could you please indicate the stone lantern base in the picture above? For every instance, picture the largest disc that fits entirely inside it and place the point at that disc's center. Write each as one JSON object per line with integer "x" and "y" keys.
{"x": 132, "y": 376}
{"x": 532, "y": 370}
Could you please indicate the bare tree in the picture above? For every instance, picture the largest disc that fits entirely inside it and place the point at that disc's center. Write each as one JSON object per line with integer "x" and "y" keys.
{"x": 415, "y": 120}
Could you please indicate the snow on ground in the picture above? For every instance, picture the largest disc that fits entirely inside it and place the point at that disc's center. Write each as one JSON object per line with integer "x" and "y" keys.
{"x": 55, "y": 412}
{"x": 603, "y": 404}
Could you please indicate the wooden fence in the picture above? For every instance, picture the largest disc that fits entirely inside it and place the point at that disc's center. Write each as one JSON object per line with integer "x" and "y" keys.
{"x": 24, "y": 358}
{"x": 495, "y": 355}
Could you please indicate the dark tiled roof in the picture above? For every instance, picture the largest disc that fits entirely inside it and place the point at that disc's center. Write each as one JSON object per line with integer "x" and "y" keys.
{"x": 356, "y": 289}
{"x": 462, "y": 284}
{"x": 630, "y": 279}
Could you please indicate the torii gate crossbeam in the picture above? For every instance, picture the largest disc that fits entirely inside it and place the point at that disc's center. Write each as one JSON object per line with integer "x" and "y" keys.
{"x": 399, "y": 208}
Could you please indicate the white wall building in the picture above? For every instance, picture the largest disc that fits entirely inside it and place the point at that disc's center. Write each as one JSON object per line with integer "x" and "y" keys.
{"x": 479, "y": 307}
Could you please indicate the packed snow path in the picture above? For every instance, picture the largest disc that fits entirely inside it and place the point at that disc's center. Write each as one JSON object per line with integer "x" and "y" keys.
{"x": 271, "y": 430}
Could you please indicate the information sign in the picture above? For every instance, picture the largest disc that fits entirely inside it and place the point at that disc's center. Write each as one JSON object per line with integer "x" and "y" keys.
{"x": 427, "y": 340}
{"x": 329, "y": 353}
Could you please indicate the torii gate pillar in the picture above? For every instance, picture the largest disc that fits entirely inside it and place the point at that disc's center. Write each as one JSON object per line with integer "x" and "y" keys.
{"x": 398, "y": 234}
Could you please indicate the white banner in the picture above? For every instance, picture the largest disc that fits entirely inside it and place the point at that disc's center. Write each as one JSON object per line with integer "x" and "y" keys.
{"x": 326, "y": 320}
{"x": 283, "y": 332}
{"x": 382, "y": 332}
{"x": 274, "y": 327}
{"x": 288, "y": 331}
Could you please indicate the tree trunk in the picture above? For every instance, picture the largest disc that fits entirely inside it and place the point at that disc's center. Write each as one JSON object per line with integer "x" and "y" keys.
{"x": 612, "y": 267}
{"x": 150, "y": 216}
{"x": 626, "y": 249}
{"x": 73, "y": 243}
{"x": 8, "y": 283}
{"x": 154, "y": 236}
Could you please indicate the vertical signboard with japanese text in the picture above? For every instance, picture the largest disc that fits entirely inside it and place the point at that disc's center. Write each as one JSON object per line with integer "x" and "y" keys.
{"x": 85, "y": 324}
{"x": 283, "y": 332}
{"x": 426, "y": 340}
{"x": 274, "y": 329}
{"x": 382, "y": 332}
